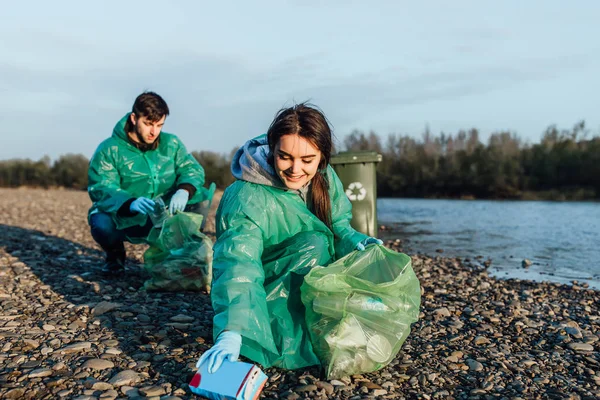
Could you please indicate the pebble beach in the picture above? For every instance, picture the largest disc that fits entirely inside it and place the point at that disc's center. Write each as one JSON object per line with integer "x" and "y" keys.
{"x": 68, "y": 332}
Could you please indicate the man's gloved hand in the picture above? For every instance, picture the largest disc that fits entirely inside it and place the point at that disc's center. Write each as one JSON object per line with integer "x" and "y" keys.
{"x": 142, "y": 205}
{"x": 227, "y": 346}
{"x": 179, "y": 201}
{"x": 364, "y": 243}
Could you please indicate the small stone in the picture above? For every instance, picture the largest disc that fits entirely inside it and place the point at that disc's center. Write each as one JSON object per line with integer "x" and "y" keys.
{"x": 64, "y": 392}
{"x": 528, "y": 363}
{"x": 142, "y": 364}
{"x": 484, "y": 286}
{"x": 290, "y": 395}
{"x": 474, "y": 365}
{"x": 103, "y": 307}
{"x": 143, "y": 318}
{"x": 370, "y": 385}
{"x": 76, "y": 347}
{"x": 379, "y": 392}
{"x": 580, "y": 346}
{"x": 98, "y": 364}
{"x": 59, "y": 366}
{"x": 182, "y": 318}
{"x": 14, "y": 394}
{"x": 442, "y": 312}
{"x": 150, "y": 391}
{"x": 479, "y": 340}
{"x": 112, "y": 351}
{"x": 576, "y": 333}
{"x": 48, "y": 327}
{"x": 526, "y": 263}
{"x": 127, "y": 377}
{"x": 328, "y": 387}
{"x": 306, "y": 388}
{"x": 130, "y": 391}
{"x": 102, "y": 386}
{"x": 34, "y": 344}
{"x": 179, "y": 325}
{"x": 109, "y": 395}
{"x": 31, "y": 364}
{"x": 40, "y": 373}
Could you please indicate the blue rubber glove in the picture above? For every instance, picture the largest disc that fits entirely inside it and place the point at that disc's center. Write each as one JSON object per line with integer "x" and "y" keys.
{"x": 227, "y": 346}
{"x": 364, "y": 243}
{"x": 142, "y": 205}
{"x": 179, "y": 201}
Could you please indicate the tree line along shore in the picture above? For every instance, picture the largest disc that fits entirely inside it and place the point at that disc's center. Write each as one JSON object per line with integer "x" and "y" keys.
{"x": 565, "y": 165}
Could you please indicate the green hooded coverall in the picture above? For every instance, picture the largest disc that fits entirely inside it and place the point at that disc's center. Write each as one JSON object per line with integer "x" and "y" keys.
{"x": 119, "y": 172}
{"x": 267, "y": 240}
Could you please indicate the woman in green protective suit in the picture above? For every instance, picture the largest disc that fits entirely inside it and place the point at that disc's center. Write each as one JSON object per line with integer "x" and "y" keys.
{"x": 286, "y": 213}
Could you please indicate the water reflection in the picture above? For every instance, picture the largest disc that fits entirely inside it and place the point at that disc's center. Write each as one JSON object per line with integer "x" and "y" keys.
{"x": 561, "y": 239}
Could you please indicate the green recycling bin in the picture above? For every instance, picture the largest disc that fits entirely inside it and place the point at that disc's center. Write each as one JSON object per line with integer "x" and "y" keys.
{"x": 357, "y": 171}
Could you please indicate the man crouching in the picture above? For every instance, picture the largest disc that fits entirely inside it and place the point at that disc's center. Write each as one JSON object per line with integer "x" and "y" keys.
{"x": 133, "y": 167}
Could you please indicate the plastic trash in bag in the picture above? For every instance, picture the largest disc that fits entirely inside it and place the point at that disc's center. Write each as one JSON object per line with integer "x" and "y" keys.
{"x": 179, "y": 256}
{"x": 359, "y": 309}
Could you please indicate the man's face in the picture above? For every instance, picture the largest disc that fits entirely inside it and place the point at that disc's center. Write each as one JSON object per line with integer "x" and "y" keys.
{"x": 296, "y": 161}
{"x": 144, "y": 130}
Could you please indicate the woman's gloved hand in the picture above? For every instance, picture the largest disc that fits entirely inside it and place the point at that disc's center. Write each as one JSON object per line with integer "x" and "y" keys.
{"x": 227, "y": 346}
{"x": 364, "y": 243}
{"x": 179, "y": 201}
{"x": 142, "y": 205}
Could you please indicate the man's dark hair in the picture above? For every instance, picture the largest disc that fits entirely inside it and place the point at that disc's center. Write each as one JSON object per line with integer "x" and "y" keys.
{"x": 149, "y": 105}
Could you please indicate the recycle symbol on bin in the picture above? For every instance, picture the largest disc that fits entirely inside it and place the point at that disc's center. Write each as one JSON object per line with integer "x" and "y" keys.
{"x": 356, "y": 191}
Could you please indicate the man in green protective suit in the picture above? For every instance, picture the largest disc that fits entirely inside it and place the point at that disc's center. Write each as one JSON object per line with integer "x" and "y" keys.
{"x": 136, "y": 165}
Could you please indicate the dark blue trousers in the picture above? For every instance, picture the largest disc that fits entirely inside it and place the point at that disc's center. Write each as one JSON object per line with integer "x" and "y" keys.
{"x": 106, "y": 234}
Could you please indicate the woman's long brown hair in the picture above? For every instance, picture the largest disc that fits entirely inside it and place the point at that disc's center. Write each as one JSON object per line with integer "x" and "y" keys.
{"x": 308, "y": 122}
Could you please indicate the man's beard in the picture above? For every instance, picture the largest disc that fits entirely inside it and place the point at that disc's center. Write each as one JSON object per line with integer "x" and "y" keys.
{"x": 140, "y": 138}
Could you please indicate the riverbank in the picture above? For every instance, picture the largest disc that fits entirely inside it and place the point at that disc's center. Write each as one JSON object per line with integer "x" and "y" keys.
{"x": 574, "y": 194}
{"x": 68, "y": 332}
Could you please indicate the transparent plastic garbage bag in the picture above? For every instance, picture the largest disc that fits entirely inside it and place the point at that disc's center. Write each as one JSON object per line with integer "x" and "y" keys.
{"x": 359, "y": 309}
{"x": 180, "y": 256}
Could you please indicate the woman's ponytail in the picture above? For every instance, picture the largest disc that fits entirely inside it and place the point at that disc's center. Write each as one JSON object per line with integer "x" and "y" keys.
{"x": 319, "y": 197}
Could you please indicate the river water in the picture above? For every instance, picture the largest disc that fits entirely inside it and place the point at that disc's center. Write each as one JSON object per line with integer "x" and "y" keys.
{"x": 561, "y": 239}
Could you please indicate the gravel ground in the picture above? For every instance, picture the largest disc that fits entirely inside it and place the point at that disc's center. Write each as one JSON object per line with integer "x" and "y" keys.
{"x": 68, "y": 332}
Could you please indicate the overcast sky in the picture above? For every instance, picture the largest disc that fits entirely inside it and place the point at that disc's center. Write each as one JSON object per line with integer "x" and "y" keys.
{"x": 70, "y": 69}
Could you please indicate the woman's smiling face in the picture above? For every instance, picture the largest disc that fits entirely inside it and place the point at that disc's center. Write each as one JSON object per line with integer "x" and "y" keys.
{"x": 296, "y": 161}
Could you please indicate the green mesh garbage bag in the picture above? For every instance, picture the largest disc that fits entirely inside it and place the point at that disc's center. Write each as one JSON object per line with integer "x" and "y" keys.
{"x": 179, "y": 256}
{"x": 359, "y": 309}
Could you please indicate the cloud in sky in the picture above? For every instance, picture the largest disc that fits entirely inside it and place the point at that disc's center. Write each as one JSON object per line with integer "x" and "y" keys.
{"x": 63, "y": 90}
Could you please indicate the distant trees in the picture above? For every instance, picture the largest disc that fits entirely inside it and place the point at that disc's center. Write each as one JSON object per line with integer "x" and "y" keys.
{"x": 564, "y": 165}
{"x": 70, "y": 171}
{"x": 217, "y": 167}
{"x": 14, "y": 173}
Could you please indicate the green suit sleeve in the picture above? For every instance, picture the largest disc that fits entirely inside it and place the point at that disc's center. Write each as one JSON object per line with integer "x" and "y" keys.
{"x": 346, "y": 237}
{"x": 189, "y": 171}
{"x": 237, "y": 294}
{"x": 104, "y": 183}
